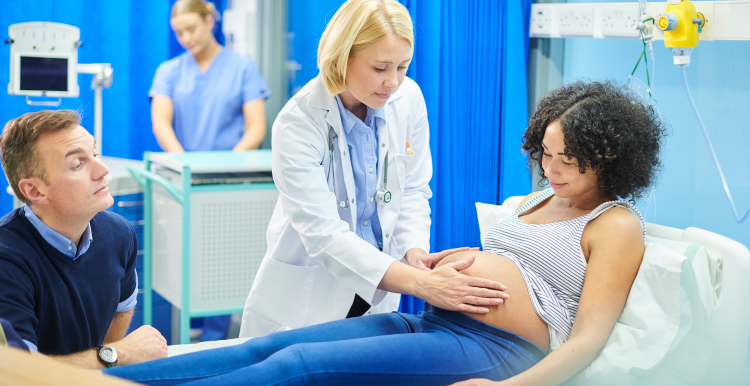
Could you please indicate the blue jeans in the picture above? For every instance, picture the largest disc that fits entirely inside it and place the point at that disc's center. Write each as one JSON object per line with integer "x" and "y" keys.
{"x": 215, "y": 327}
{"x": 435, "y": 347}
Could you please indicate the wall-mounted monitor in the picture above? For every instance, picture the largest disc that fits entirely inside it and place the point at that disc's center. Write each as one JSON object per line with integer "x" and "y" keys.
{"x": 43, "y": 59}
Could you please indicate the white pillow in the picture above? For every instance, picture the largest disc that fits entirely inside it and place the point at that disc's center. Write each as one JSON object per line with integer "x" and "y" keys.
{"x": 707, "y": 267}
{"x": 662, "y": 335}
{"x": 489, "y": 215}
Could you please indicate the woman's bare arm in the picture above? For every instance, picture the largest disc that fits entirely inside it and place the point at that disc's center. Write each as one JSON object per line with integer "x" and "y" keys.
{"x": 162, "y": 114}
{"x": 255, "y": 125}
{"x": 615, "y": 245}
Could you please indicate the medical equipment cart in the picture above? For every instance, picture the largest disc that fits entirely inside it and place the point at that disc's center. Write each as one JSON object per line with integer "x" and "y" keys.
{"x": 206, "y": 215}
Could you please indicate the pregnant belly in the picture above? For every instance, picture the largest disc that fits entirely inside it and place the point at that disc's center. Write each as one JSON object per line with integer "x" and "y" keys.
{"x": 516, "y": 314}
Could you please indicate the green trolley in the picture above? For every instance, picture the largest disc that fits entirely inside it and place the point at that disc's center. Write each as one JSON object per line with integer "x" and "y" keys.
{"x": 206, "y": 216}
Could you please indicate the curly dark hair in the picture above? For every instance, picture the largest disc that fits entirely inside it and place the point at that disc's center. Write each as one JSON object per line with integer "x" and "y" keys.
{"x": 605, "y": 125}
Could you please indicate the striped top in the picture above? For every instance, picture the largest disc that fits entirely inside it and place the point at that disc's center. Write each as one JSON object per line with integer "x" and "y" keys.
{"x": 551, "y": 261}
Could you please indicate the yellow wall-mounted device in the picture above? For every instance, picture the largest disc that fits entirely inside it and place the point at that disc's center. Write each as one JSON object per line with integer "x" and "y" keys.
{"x": 681, "y": 24}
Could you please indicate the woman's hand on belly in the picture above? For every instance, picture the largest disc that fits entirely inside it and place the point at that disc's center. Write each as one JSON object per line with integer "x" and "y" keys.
{"x": 447, "y": 288}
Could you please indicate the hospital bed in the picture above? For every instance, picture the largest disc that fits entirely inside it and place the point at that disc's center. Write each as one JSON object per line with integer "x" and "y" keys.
{"x": 731, "y": 320}
{"x": 730, "y": 329}
{"x": 730, "y": 323}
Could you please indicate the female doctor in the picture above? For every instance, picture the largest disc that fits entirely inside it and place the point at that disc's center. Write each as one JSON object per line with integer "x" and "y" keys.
{"x": 351, "y": 161}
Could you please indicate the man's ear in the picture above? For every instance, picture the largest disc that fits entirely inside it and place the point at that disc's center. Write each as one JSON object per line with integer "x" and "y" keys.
{"x": 33, "y": 188}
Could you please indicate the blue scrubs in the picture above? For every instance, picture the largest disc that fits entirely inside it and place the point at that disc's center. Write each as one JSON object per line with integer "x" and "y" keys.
{"x": 208, "y": 115}
{"x": 208, "y": 107}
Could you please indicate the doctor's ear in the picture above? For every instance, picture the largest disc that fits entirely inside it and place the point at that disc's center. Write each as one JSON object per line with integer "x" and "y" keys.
{"x": 33, "y": 189}
{"x": 210, "y": 21}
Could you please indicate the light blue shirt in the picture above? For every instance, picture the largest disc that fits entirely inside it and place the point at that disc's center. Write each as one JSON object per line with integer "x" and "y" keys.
{"x": 208, "y": 107}
{"x": 58, "y": 241}
{"x": 68, "y": 248}
{"x": 362, "y": 138}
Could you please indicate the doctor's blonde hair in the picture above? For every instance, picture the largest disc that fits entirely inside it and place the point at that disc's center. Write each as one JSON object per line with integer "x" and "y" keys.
{"x": 354, "y": 27}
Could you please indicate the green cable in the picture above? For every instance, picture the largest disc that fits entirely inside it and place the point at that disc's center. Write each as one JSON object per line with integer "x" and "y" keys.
{"x": 637, "y": 63}
{"x": 645, "y": 60}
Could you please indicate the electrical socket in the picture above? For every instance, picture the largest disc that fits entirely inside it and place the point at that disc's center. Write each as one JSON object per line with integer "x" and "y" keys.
{"x": 574, "y": 20}
{"x": 617, "y": 20}
{"x": 541, "y": 20}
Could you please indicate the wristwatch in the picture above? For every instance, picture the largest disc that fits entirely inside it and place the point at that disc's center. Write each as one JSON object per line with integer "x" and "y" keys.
{"x": 107, "y": 355}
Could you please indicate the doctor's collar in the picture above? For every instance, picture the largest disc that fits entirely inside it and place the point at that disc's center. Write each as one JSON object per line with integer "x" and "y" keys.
{"x": 351, "y": 119}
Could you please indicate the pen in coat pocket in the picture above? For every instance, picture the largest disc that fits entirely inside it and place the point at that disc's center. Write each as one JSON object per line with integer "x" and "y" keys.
{"x": 409, "y": 150}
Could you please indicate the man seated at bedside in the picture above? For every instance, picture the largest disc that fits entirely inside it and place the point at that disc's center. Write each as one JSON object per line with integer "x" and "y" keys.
{"x": 67, "y": 267}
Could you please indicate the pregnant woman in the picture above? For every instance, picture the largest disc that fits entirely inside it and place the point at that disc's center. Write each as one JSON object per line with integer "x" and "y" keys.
{"x": 568, "y": 256}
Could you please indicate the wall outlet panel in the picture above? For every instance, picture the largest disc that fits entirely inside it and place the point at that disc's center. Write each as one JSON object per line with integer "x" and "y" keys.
{"x": 617, "y": 21}
{"x": 733, "y": 17}
{"x": 725, "y": 20}
{"x": 575, "y": 20}
{"x": 541, "y": 20}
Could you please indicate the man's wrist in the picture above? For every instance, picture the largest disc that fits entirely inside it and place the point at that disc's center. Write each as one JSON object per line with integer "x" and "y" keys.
{"x": 122, "y": 354}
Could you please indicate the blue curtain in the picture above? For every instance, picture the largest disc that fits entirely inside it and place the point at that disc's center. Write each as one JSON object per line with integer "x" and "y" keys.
{"x": 307, "y": 19}
{"x": 470, "y": 60}
{"x": 131, "y": 35}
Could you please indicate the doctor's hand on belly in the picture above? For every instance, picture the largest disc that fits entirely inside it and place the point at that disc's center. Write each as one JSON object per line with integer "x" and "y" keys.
{"x": 445, "y": 286}
{"x": 420, "y": 259}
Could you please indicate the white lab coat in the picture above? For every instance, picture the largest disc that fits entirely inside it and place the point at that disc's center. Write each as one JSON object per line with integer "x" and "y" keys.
{"x": 315, "y": 262}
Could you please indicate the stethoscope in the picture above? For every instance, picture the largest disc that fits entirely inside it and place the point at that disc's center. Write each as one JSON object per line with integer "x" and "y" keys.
{"x": 382, "y": 195}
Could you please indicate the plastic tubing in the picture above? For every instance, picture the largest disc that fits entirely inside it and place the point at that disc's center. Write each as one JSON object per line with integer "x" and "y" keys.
{"x": 653, "y": 68}
{"x": 711, "y": 149}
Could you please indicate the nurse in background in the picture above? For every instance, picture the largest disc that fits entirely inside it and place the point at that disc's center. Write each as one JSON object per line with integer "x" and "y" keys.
{"x": 208, "y": 98}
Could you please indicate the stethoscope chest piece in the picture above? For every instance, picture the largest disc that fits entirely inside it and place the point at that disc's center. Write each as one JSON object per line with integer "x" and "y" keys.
{"x": 382, "y": 196}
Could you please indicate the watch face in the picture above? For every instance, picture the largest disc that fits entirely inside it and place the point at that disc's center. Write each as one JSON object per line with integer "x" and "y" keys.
{"x": 108, "y": 354}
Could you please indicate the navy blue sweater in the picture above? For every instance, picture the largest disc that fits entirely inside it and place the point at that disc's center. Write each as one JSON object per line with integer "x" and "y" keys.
{"x": 63, "y": 305}
{"x": 11, "y": 336}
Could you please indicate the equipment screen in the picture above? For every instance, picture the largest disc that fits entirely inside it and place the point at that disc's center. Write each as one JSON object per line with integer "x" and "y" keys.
{"x": 44, "y": 74}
